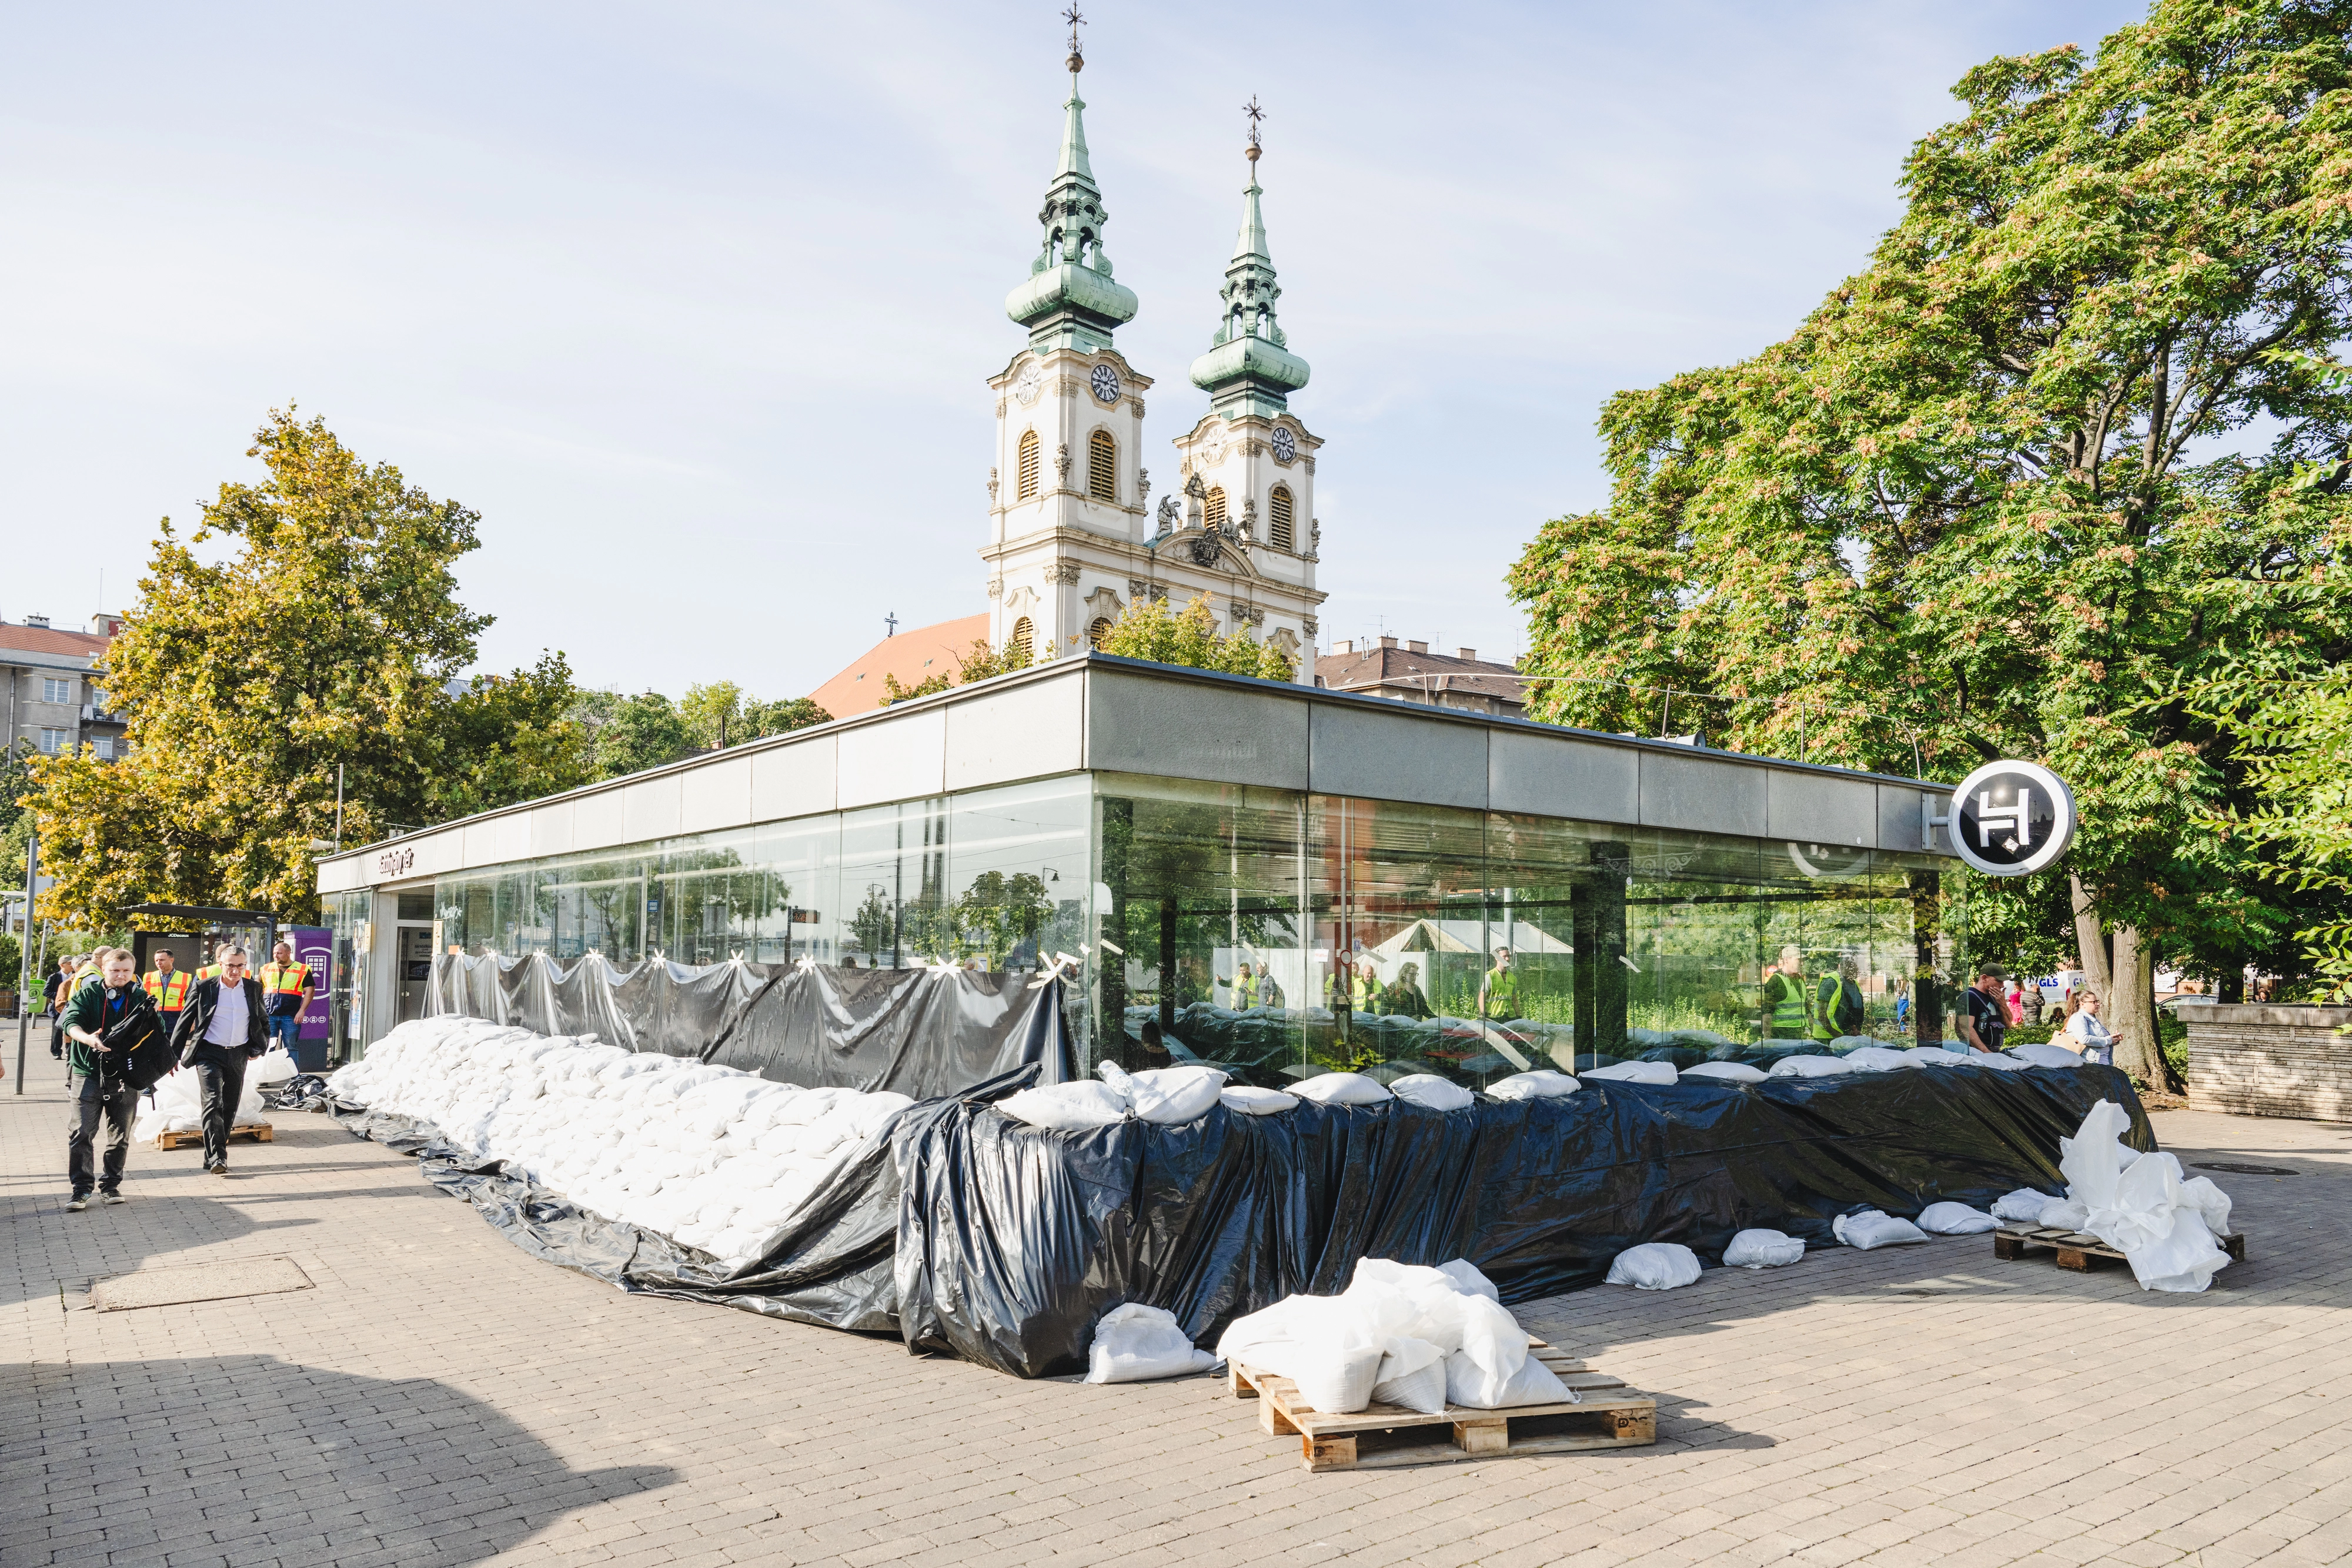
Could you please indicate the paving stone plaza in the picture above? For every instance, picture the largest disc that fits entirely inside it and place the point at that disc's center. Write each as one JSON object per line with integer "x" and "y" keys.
{"x": 437, "y": 1397}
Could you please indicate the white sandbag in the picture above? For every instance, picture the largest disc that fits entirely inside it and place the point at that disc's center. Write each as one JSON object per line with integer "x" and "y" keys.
{"x": 1810, "y": 1067}
{"x": 2140, "y": 1211}
{"x": 1135, "y": 1343}
{"x": 1431, "y": 1093}
{"x": 1763, "y": 1250}
{"x": 2042, "y": 1055}
{"x": 1654, "y": 1266}
{"x": 1066, "y": 1107}
{"x": 1341, "y": 1089}
{"x": 1873, "y": 1228}
{"x": 1542, "y": 1083}
{"x": 1993, "y": 1059}
{"x": 1173, "y": 1095}
{"x": 1532, "y": 1383}
{"x": 1411, "y": 1376}
{"x": 1844, "y": 1043}
{"x": 1634, "y": 1073}
{"x": 1877, "y": 1057}
{"x": 1488, "y": 1373}
{"x": 1936, "y": 1056}
{"x": 273, "y": 1067}
{"x": 1469, "y": 1282}
{"x": 1252, "y": 1101}
{"x": 2024, "y": 1204}
{"x": 1949, "y": 1218}
{"x": 1726, "y": 1072}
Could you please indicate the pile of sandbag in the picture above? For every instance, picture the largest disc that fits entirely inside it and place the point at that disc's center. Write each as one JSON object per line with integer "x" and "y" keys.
{"x": 2140, "y": 1203}
{"x": 176, "y": 1104}
{"x": 713, "y": 1157}
{"x": 1399, "y": 1334}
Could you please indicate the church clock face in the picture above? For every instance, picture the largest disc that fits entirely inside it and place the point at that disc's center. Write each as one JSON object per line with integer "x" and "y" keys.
{"x": 1104, "y": 381}
{"x": 1213, "y": 450}
{"x": 1026, "y": 384}
{"x": 1286, "y": 446}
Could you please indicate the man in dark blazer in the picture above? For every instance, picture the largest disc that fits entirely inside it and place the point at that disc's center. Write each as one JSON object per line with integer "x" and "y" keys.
{"x": 224, "y": 1025}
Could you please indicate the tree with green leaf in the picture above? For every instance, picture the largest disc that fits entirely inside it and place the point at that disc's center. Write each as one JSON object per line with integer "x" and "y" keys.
{"x": 326, "y": 637}
{"x": 2040, "y": 462}
{"x": 1148, "y": 629}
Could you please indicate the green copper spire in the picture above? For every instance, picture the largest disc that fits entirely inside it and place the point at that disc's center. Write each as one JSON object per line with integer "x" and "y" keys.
{"x": 1250, "y": 369}
{"x": 1069, "y": 300}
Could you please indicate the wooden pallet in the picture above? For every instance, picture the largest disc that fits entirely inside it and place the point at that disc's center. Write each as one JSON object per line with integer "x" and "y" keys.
{"x": 2078, "y": 1251}
{"x": 1607, "y": 1415}
{"x": 259, "y": 1131}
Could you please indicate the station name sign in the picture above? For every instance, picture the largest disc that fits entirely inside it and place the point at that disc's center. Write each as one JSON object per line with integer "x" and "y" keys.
{"x": 392, "y": 862}
{"x": 2012, "y": 819}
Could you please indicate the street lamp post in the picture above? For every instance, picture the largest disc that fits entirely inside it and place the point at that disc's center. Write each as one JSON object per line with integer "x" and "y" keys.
{"x": 24, "y": 957}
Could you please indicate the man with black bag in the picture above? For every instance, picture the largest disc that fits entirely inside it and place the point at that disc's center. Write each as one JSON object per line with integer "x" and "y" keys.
{"x": 115, "y": 1040}
{"x": 224, "y": 1025}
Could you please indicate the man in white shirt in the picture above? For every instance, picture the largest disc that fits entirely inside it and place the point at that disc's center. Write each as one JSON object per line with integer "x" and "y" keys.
{"x": 224, "y": 1026}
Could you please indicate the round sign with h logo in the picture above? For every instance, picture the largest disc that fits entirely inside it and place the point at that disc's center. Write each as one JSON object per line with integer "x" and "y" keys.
{"x": 2012, "y": 818}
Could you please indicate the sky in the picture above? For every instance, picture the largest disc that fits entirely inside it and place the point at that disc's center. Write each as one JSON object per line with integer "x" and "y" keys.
{"x": 696, "y": 303}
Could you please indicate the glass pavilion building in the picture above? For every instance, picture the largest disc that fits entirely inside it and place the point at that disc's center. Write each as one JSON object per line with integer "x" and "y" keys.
{"x": 1276, "y": 878}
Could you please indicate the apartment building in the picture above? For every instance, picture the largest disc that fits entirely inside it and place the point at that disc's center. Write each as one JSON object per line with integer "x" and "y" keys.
{"x": 56, "y": 696}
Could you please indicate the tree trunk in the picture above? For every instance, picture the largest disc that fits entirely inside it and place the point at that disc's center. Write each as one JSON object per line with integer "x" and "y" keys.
{"x": 2089, "y": 940}
{"x": 2131, "y": 1010}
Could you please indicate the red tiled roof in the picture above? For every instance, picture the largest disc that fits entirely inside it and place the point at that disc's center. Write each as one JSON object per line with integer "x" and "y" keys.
{"x": 50, "y": 640}
{"x": 913, "y": 656}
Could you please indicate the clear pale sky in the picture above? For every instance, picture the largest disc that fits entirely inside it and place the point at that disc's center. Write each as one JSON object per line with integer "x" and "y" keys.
{"x": 695, "y": 303}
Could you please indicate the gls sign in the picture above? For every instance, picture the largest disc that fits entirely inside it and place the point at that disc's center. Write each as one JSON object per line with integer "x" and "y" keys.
{"x": 2010, "y": 818}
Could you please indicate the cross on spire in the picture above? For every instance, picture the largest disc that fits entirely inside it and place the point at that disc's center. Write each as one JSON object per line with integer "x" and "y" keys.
{"x": 1077, "y": 20}
{"x": 1255, "y": 114}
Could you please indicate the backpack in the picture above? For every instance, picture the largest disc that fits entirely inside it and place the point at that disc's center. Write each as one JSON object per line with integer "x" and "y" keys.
{"x": 139, "y": 1048}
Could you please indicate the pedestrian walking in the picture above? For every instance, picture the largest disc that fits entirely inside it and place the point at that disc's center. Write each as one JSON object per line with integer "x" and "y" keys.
{"x": 287, "y": 983}
{"x": 96, "y": 1016}
{"x": 224, "y": 1026}
{"x": 2089, "y": 1032}
{"x": 56, "y": 992}
{"x": 1986, "y": 1022}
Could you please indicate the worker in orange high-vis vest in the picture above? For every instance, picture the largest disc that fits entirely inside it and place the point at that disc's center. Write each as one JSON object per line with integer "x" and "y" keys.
{"x": 285, "y": 986}
{"x": 167, "y": 986}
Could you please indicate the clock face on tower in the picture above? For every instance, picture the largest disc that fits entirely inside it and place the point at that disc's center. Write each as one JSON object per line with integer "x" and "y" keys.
{"x": 1286, "y": 446}
{"x": 1104, "y": 381}
{"x": 1213, "y": 450}
{"x": 1026, "y": 384}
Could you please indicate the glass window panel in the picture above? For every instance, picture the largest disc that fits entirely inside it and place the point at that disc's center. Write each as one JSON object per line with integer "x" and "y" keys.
{"x": 1017, "y": 872}
{"x": 804, "y": 860}
{"x": 894, "y": 885}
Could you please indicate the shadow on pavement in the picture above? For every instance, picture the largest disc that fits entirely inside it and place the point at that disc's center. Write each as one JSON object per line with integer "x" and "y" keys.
{"x": 339, "y": 1467}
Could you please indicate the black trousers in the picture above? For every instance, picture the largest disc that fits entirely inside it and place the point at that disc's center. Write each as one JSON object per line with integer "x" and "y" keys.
{"x": 220, "y": 1074}
{"x": 95, "y": 1098}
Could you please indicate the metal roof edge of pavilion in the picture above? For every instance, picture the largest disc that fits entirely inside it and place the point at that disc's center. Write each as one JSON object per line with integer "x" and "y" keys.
{"x": 1094, "y": 712}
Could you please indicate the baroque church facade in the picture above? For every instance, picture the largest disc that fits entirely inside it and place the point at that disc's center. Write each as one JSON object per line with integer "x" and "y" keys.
{"x": 1074, "y": 536}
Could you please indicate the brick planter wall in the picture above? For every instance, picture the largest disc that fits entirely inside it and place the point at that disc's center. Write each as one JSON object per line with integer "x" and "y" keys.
{"x": 2271, "y": 1061}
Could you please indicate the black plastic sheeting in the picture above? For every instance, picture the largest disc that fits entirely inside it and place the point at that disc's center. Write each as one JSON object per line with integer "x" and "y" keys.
{"x": 977, "y": 1235}
{"x": 1012, "y": 1240}
{"x": 920, "y": 1032}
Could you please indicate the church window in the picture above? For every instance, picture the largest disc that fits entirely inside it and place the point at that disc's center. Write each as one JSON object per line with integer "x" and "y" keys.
{"x": 1098, "y": 631}
{"x": 1102, "y": 466}
{"x": 1024, "y": 637}
{"x": 1213, "y": 508}
{"x": 1027, "y": 490}
{"x": 1280, "y": 531}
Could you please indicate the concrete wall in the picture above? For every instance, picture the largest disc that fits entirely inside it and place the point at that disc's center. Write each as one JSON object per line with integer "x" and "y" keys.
{"x": 1117, "y": 715}
{"x": 2271, "y": 1061}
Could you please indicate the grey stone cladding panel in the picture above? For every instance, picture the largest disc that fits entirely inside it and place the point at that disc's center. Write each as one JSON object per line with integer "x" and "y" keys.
{"x": 1365, "y": 751}
{"x": 1543, "y": 776}
{"x": 903, "y": 759}
{"x": 1899, "y": 815}
{"x": 1025, "y": 731}
{"x": 1700, "y": 795}
{"x": 795, "y": 779}
{"x": 1186, "y": 730}
{"x": 1815, "y": 807}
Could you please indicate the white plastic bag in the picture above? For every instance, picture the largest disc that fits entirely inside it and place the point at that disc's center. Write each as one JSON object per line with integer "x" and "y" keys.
{"x": 1341, "y": 1089}
{"x": 2024, "y": 1204}
{"x": 1411, "y": 1376}
{"x": 1252, "y": 1101}
{"x": 1873, "y": 1228}
{"x": 1726, "y": 1072}
{"x": 1431, "y": 1093}
{"x": 1811, "y": 1067}
{"x": 1173, "y": 1095}
{"x": 1134, "y": 1343}
{"x": 1635, "y": 1073}
{"x": 1949, "y": 1218}
{"x": 1542, "y": 1083}
{"x": 1654, "y": 1266}
{"x": 1763, "y": 1250}
{"x": 1066, "y": 1107}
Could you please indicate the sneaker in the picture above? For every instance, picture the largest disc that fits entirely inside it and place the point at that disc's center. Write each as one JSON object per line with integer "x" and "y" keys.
{"x": 112, "y": 1197}
{"x": 80, "y": 1201}
{"x": 220, "y": 1170}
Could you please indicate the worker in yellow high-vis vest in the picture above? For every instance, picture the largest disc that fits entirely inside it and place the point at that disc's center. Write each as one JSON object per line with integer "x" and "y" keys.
{"x": 167, "y": 986}
{"x": 286, "y": 986}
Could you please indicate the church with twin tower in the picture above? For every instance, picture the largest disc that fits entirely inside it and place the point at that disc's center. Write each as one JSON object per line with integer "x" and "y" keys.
{"x": 1073, "y": 537}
